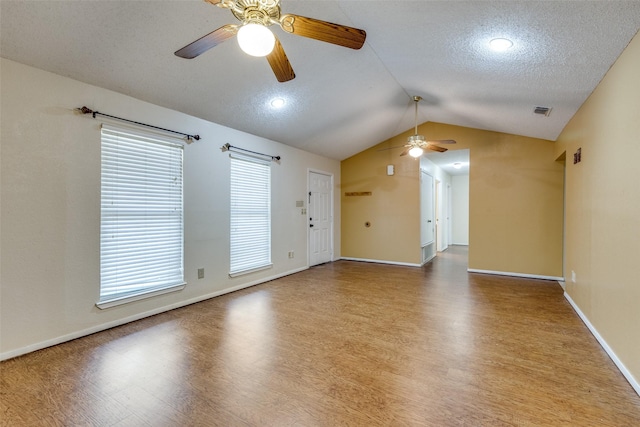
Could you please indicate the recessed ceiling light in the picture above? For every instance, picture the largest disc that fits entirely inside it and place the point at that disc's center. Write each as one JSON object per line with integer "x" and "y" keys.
{"x": 500, "y": 44}
{"x": 457, "y": 165}
{"x": 277, "y": 102}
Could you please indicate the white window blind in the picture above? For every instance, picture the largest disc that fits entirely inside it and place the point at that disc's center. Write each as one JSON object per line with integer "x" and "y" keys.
{"x": 141, "y": 225}
{"x": 250, "y": 215}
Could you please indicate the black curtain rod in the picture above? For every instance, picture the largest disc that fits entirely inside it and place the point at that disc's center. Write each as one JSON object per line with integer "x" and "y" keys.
{"x": 85, "y": 110}
{"x": 229, "y": 147}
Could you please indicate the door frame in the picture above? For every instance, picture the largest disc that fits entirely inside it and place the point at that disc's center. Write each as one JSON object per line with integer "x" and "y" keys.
{"x": 332, "y": 213}
{"x": 443, "y": 204}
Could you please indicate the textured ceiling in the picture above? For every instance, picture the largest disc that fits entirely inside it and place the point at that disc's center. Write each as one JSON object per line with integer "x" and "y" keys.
{"x": 342, "y": 101}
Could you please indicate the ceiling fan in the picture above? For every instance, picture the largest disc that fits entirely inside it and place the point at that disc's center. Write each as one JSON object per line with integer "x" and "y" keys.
{"x": 416, "y": 144}
{"x": 256, "y": 39}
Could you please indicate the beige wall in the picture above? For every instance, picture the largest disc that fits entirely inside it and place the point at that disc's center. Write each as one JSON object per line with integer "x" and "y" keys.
{"x": 603, "y": 207}
{"x": 515, "y": 213}
{"x": 50, "y": 193}
{"x": 393, "y": 209}
{"x": 460, "y": 209}
{"x": 515, "y": 204}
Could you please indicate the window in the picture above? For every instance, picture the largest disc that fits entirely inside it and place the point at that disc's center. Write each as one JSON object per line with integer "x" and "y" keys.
{"x": 141, "y": 221}
{"x": 250, "y": 215}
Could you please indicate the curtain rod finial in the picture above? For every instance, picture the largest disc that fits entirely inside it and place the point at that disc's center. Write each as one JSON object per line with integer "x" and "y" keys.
{"x": 191, "y": 138}
{"x": 84, "y": 110}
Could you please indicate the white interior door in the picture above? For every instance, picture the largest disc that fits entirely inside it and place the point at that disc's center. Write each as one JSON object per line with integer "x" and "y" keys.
{"x": 427, "y": 211}
{"x": 320, "y": 218}
{"x": 439, "y": 228}
{"x": 443, "y": 192}
{"x": 448, "y": 217}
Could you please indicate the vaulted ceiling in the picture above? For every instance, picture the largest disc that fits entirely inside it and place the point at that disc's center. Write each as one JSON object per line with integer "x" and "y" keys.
{"x": 342, "y": 101}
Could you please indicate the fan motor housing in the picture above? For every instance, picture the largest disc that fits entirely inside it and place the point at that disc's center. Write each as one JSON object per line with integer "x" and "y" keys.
{"x": 416, "y": 140}
{"x": 257, "y": 11}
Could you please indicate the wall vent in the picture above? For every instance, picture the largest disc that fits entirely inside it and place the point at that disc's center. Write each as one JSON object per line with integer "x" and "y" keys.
{"x": 545, "y": 111}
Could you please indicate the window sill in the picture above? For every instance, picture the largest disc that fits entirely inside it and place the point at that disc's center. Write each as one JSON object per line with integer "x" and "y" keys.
{"x": 137, "y": 297}
{"x": 251, "y": 270}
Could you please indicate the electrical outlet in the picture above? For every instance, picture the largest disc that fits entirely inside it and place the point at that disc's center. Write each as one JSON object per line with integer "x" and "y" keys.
{"x": 201, "y": 273}
{"x": 303, "y": 211}
{"x": 573, "y": 276}
{"x": 291, "y": 254}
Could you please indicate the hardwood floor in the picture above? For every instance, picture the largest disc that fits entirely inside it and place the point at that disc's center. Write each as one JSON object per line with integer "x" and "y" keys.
{"x": 345, "y": 343}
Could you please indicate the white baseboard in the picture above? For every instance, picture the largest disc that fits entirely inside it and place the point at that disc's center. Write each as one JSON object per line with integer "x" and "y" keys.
{"x": 506, "y": 273}
{"x": 428, "y": 259}
{"x": 623, "y": 369}
{"x": 377, "y": 261}
{"x": 104, "y": 326}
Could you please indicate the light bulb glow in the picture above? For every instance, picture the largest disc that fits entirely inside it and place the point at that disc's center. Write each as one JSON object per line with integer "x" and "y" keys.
{"x": 500, "y": 45}
{"x": 277, "y": 102}
{"x": 416, "y": 152}
{"x": 256, "y": 39}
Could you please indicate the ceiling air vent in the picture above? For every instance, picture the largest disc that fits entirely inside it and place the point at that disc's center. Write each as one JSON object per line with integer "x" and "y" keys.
{"x": 545, "y": 111}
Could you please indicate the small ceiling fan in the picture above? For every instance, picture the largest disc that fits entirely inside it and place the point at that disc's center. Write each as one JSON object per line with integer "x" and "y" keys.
{"x": 256, "y": 39}
{"x": 416, "y": 144}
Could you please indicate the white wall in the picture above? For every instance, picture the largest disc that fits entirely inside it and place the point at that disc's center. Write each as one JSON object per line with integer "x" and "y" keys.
{"x": 460, "y": 209}
{"x": 50, "y": 208}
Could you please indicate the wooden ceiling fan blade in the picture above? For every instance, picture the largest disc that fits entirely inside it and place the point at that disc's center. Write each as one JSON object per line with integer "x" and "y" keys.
{"x": 391, "y": 148}
{"x": 436, "y": 148}
{"x": 207, "y": 42}
{"x": 324, "y": 31}
{"x": 442, "y": 141}
{"x": 280, "y": 63}
{"x": 405, "y": 151}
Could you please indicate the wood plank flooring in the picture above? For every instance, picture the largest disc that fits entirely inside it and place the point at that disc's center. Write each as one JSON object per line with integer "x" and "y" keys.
{"x": 342, "y": 344}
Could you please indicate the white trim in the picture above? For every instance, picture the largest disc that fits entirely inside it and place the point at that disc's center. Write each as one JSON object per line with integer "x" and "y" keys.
{"x": 144, "y": 295}
{"x": 623, "y": 369}
{"x": 250, "y": 270}
{"x": 377, "y": 261}
{"x": 429, "y": 259}
{"x": 507, "y": 273}
{"x": 102, "y": 327}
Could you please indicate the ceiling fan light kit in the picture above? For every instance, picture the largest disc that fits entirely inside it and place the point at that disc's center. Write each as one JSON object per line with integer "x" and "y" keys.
{"x": 416, "y": 144}
{"x": 416, "y": 152}
{"x": 255, "y": 38}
